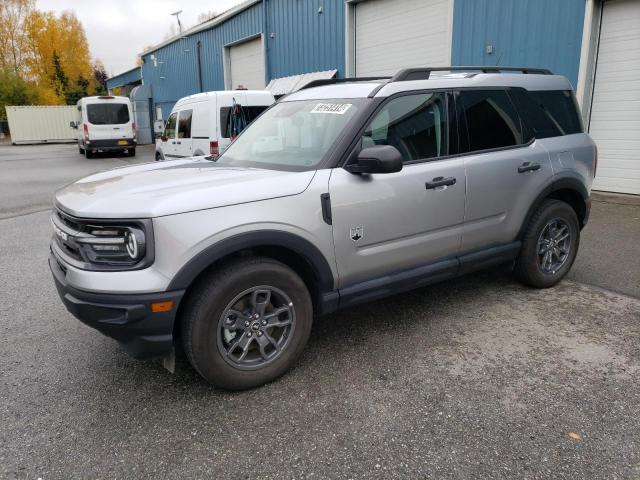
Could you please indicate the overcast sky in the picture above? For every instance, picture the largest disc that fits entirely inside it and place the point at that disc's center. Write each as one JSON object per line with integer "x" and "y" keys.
{"x": 118, "y": 30}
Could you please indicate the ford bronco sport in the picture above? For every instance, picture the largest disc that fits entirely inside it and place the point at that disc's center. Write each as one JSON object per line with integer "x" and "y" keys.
{"x": 340, "y": 193}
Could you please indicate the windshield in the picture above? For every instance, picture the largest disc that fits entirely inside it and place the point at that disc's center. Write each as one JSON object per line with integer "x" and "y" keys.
{"x": 107, "y": 113}
{"x": 292, "y": 135}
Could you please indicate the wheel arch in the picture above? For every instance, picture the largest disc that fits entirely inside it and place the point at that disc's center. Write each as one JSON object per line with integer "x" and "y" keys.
{"x": 294, "y": 251}
{"x": 569, "y": 190}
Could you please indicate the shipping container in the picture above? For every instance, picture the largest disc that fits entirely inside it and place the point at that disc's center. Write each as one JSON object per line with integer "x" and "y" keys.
{"x": 41, "y": 123}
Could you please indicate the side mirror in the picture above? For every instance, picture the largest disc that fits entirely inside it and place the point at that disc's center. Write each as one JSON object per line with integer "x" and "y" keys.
{"x": 378, "y": 159}
{"x": 73, "y": 125}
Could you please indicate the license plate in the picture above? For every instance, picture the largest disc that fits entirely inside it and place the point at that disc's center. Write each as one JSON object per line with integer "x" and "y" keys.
{"x": 122, "y": 142}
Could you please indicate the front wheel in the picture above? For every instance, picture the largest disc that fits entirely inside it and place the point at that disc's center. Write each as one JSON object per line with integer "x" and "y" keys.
{"x": 131, "y": 152}
{"x": 549, "y": 245}
{"x": 246, "y": 323}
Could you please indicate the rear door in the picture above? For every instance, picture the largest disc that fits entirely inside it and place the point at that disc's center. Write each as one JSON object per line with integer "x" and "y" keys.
{"x": 184, "y": 143}
{"x": 109, "y": 120}
{"x": 389, "y": 223}
{"x": 505, "y": 169}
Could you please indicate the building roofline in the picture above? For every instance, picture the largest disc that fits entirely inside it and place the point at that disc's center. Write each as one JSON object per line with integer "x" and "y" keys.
{"x": 223, "y": 17}
{"x": 124, "y": 73}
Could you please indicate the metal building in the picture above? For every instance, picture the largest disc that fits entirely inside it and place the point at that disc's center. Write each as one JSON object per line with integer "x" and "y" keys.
{"x": 281, "y": 44}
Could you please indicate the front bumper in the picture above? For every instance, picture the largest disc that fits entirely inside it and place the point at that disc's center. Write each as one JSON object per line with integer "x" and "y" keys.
{"x": 126, "y": 318}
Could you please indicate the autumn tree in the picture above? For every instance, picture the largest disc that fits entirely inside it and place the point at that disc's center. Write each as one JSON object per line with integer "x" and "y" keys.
{"x": 13, "y": 37}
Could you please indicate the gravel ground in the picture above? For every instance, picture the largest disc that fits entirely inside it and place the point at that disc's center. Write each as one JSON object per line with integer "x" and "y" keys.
{"x": 474, "y": 378}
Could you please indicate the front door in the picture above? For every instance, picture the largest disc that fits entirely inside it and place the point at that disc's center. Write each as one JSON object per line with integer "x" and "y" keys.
{"x": 168, "y": 139}
{"x": 184, "y": 144}
{"x": 389, "y": 223}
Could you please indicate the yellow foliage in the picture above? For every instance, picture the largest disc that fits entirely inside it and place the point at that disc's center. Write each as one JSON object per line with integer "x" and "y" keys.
{"x": 30, "y": 39}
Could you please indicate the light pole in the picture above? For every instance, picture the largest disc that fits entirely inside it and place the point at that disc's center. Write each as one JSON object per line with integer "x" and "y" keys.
{"x": 177, "y": 15}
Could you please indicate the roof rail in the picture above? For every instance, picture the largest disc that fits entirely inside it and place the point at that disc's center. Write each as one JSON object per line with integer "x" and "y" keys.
{"x": 423, "y": 73}
{"x": 330, "y": 81}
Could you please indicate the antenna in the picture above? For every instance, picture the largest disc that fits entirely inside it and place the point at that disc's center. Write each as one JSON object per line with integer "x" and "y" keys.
{"x": 177, "y": 15}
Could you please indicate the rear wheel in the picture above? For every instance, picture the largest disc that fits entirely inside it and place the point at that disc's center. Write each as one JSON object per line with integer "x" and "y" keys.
{"x": 549, "y": 246}
{"x": 80, "y": 150}
{"x": 88, "y": 153}
{"x": 246, "y": 323}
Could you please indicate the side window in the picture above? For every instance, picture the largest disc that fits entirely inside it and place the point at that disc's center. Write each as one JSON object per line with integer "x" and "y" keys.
{"x": 492, "y": 121}
{"x": 184, "y": 124}
{"x": 415, "y": 124}
{"x": 232, "y": 124}
{"x": 170, "y": 127}
{"x": 560, "y": 107}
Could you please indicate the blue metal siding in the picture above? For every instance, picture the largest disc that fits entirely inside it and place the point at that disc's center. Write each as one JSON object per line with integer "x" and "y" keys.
{"x": 533, "y": 33}
{"x": 305, "y": 40}
{"x": 179, "y": 67}
{"x": 130, "y": 76}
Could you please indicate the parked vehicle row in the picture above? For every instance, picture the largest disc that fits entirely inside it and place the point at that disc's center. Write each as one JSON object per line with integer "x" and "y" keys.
{"x": 336, "y": 195}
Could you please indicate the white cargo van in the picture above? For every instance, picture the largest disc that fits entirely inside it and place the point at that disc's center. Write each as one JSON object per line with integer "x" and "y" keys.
{"x": 206, "y": 123}
{"x": 105, "y": 124}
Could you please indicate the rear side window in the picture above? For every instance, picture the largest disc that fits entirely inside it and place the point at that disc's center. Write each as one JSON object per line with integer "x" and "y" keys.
{"x": 415, "y": 124}
{"x": 107, "y": 113}
{"x": 548, "y": 113}
{"x": 184, "y": 124}
{"x": 492, "y": 120}
{"x": 232, "y": 124}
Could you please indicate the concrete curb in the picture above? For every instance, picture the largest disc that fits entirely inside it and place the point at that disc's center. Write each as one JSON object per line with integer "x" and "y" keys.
{"x": 619, "y": 198}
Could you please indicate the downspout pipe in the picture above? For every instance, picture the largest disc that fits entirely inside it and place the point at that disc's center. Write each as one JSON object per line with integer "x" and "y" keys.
{"x": 199, "y": 62}
{"x": 265, "y": 36}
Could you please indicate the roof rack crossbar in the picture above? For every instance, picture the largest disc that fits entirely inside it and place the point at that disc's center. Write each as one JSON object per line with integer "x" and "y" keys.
{"x": 330, "y": 81}
{"x": 423, "y": 73}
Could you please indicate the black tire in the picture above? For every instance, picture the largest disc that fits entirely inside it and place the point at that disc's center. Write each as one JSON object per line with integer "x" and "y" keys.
{"x": 88, "y": 153}
{"x": 80, "y": 150}
{"x": 202, "y": 322}
{"x": 131, "y": 152}
{"x": 158, "y": 157}
{"x": 529, "y": 268}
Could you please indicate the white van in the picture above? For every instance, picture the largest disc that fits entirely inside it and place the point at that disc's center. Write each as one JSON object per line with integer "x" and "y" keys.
{"x": 206, "y": 123}
{"x": 105, "y": 124}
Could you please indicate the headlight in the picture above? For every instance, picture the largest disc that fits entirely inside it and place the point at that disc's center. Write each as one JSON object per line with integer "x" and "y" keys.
{"x": 104, "y": 244}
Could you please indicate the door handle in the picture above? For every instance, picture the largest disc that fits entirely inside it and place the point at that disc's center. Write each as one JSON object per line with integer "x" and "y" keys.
{"x": 528, "y": 167}
{"x": 440, "y": 182}
{"x": 179, "y": 143}
{"x": 173, "y": 142}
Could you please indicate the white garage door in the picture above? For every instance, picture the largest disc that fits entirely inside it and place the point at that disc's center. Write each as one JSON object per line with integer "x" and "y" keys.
{"x": 615, "y": 112}
{"x": 246, "y": 65}
{"x": 395, "y": 34}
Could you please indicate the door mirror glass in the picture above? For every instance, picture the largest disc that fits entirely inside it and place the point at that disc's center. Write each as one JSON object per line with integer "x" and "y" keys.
{"x": 73, "y": 125}
{"x": 377, "y": 159}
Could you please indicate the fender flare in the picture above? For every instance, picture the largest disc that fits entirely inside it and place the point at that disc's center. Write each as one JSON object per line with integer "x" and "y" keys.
{"x": 261, "y": 238}
{"x": 564, "y": 183}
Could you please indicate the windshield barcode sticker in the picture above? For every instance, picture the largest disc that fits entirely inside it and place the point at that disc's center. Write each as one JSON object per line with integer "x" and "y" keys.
{"x": 336, "y": 108}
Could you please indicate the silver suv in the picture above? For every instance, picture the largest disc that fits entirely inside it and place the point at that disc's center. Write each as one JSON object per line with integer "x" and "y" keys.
{"x": 340, "y": 193}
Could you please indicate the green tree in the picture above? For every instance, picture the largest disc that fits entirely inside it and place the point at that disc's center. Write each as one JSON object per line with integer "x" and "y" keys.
{"x": 59, "y": 80}
{"x": 100, "y": 78}
{"x": 14, "y": 91}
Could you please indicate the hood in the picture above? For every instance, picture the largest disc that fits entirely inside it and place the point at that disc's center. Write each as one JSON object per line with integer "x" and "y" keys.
{"x": 167, "y": 188}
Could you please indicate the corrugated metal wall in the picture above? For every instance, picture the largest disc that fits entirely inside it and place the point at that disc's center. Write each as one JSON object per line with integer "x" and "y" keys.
{"x": 308, "y": 36}
{"x": 303, "y": 41}
{"x": 124, "y": 78}
{"x": 534, "y": 33}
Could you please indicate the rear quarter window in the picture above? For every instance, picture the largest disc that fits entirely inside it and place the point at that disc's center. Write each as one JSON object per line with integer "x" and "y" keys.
{"x": 548, "y": 113}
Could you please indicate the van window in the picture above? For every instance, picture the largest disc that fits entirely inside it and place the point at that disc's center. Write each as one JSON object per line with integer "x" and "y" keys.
{"x": 107, "y": 113}
{"x": 415, "y": 124}
{"x": 184, "y": 124}
{"x": 170, "y": 127}
{"x": 492, "y": 120}
{"x": 233, "y": 125}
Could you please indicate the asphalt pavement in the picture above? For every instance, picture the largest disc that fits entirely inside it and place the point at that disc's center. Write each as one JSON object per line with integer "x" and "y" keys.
{"x": 478, "y": 377}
